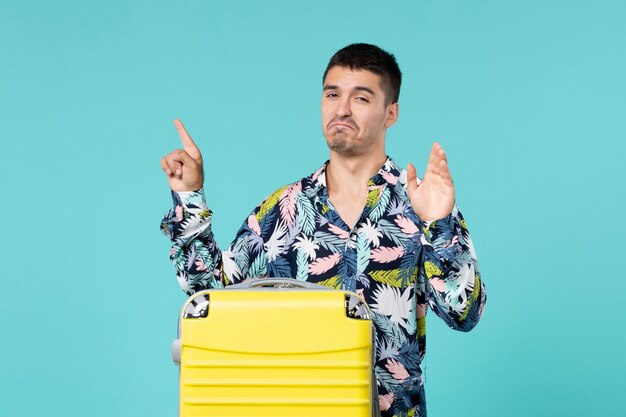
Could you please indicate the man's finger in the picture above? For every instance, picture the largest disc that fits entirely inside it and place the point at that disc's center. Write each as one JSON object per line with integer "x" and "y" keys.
{"x": 433, "y": 160}
{"x": 181, "y": 156}
{"x": 441, "y": 152}
{"x": 444, "y": 170}
{"x": 188, "y": 143}
{"x": 440, "y": 161}
{"x": 437, "y": 156}
{"x": 175, "y": 166}
{"x": 166, "y": 167}
{"x": 170, "y": 163}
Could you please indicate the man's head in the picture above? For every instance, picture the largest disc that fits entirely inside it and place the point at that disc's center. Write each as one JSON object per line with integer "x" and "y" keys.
{"x": 363, "y": 56}
{"x": 360, "y": 100}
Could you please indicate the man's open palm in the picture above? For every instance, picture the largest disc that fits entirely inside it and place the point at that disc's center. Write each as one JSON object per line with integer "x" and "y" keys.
{"x": 433, "y": 198}
{"x": 183, "y": 167}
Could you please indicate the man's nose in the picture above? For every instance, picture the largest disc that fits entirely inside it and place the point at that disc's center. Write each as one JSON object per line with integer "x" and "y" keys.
{"x": 343, "y": 109}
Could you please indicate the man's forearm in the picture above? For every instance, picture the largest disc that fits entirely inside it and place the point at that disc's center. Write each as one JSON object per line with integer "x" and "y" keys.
{"x": 194, "y": 252}
{"x": 456, "y": 291}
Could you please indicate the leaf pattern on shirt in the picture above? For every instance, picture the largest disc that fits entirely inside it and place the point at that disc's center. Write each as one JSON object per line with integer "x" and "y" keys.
{"x": 321, "y": 265}
{"x": 385, "y": 255}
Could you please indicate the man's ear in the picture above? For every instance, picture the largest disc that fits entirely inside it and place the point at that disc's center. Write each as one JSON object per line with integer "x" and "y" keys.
{"x": 392, "y": 114}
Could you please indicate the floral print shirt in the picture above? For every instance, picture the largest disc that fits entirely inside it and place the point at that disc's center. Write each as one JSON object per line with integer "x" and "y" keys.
{"x": 399, "y": 264}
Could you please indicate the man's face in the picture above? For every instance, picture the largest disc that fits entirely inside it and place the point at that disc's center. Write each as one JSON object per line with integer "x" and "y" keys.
{"x": 354, "y": 114}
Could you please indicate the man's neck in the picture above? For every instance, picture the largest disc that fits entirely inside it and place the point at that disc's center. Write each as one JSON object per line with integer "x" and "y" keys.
{"x": 348, "y": 175}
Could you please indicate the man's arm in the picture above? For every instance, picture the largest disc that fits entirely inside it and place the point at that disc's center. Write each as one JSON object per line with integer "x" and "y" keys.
{"x": 199, "y": 262}
{"x": 454, "y": 288}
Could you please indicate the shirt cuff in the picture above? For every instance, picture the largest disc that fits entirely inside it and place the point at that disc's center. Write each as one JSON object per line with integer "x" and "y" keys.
{"x": 444, "y": 233}
{"x": 189, "y": 200}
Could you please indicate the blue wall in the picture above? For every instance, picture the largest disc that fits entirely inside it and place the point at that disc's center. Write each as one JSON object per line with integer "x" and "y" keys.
{"x": 528, "y": 98}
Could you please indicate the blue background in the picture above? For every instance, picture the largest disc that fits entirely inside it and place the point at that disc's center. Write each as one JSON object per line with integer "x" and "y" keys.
{"x": 528, "y": 99}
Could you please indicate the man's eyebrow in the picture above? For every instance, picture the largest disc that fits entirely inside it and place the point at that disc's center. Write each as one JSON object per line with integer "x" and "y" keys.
{"x": 361, "y": 88}
{"x": 357, "y": 88}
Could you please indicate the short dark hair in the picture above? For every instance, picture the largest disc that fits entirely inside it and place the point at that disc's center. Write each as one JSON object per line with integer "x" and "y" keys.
{"x": 363, "y": 56}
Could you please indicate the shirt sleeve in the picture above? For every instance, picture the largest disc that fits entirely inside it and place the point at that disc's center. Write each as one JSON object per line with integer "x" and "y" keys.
{"x": 199, "y": 262}
{"x": 455, "y": 290}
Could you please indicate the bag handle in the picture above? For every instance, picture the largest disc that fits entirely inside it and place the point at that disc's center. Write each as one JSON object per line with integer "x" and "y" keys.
{"x": 278, "y": 282}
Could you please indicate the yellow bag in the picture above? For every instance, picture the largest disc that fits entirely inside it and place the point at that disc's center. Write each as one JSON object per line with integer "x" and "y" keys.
{"x": 294, "y": 349}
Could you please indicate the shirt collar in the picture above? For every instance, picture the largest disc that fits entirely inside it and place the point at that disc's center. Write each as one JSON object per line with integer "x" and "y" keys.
{"x": 315, "y": 184}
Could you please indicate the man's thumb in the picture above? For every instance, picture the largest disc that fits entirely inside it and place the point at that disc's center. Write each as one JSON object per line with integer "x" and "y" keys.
{"x": 411, "y": 177}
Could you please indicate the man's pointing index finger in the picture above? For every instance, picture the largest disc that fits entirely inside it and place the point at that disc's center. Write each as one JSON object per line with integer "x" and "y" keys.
{"x": 188, "y": 143}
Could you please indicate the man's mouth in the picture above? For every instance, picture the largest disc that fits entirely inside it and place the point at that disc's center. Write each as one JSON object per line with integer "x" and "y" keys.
{"x": 343, "y": 124}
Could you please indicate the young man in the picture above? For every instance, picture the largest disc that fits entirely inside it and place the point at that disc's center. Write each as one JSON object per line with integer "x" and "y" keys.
{"x": 358, "y": 223}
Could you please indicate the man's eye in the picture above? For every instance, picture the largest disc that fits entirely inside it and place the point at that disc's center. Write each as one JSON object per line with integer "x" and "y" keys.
{"x": 331, "y": 95}
{"x": 362, "y": 99}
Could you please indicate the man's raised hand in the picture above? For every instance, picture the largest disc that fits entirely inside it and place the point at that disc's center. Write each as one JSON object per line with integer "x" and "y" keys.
{"x": 433, "y": 198}
{"x": 183, "y": 167}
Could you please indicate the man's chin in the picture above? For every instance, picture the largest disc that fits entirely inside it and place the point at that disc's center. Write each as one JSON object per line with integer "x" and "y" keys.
{"x": 337, "y": 143}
